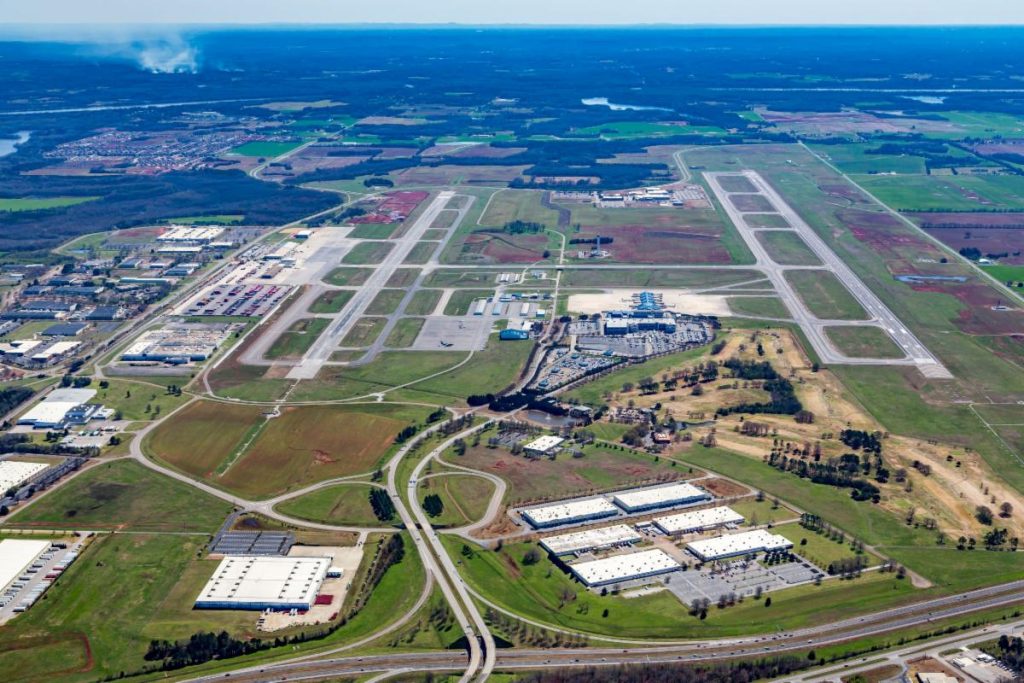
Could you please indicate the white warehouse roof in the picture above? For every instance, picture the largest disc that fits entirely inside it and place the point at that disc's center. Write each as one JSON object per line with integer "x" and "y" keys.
{"x": 17, "y": 555}
{"x": 624, "y": 567}
{"x": 738, "y": 544}
{"x": 544, "y": 443}
{"x": 698, "y": 519}
{"x": 659, "y": 496}
{"x": 251, "y": 582}
{"x": 573, "y": 510}
{"x": 52, "y": 409}
{"x": 14, "y": 472}
{"x": 590, "y": 539}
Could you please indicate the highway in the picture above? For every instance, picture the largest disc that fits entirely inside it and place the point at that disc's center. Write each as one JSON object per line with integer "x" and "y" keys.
{"x": 814, "y": 327}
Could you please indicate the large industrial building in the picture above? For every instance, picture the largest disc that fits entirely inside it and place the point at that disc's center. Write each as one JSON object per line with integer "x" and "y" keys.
{"x": 192, "y": 234}
{"x": 545, "y": 445}
{"x": 624, "y": 567}
{"x": 590, "y": 539}
{"x": 734, "y": 545}
{"x": 14, "y": 473}
{"x": 177, "y": 344}
{"x": 698, "y": 520}
{"x": 568, "y": 512}
{"x": 17, "y": 555}
{"x": 259, "y": 583}
{"x": 658, "y": 497}
{"x": 60, "y": 408}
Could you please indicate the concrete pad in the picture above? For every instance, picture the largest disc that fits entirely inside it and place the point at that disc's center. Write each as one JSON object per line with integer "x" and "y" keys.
{"x": 462, "y": 333}
{"x": 679, "y": 300}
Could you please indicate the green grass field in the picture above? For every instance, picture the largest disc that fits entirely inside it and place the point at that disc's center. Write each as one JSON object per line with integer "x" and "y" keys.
{"x": 759, "y": 306}
{"x": 213, "y": 219}
{"x": 825, "y": 296}
{"x": 421, "y": 252}
{"x": 136, "y": 401}
{"x": 403, "y": 277}
{"x": 364, "y": 332}
{"x": 374, "y": 231}
{"x": 766, "y": 220}
{"x": 852, "y": 158}
{"x": 1011, "y": 276}
{"x": 819, "y": 549}
{"x": 864, "y": 342}
{"x": 788, "y": 248}
{"x": 762, "y": 512}
{"x": 404, "y": 333}
{"x": 517, "y": 205}
{"x": 297, "y": 339}
{"x": 423, "y": 302}
{"x": 348, "y": 277}
{"x": 17, "y": 204}
{"x": 955, "y": 193}
{"x": 265, "y": 149}
{"x": 464, "y": 497}
{"x": 368, "y": 253}
{"x": 200, "y": 437}
{"x": 344, "y": 505}
{"x": 461, "y": 300}
{"x": 124, "y": 495}
{"x": 654, "y": 277}
{"x": 331, "y": 301}
{"x": 386, "y": 302}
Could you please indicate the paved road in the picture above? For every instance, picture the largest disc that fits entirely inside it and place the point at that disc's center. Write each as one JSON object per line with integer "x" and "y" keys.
{"x": 814, "y": 327}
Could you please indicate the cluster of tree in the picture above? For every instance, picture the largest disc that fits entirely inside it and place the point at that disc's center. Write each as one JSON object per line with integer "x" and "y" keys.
{"x": 847, "y": 567}
{"x": 974, "y": 254}
{"x": 751, "y": 428}
{"x": 717, "y": 347}
{"x": 406, "y": 434}
{"x": 518, "y": 227}
{"x": 380, "y": 503}
{"x": 378, "y": 182}
{"x": 857, "y": 439}
{"x": 751, "y": 369}
{"x": 831, "y": 472}
{"x": 200, "y": 648}
{"x": 23, "y": 443}
{"x": 433, "y": 505}
{"x": 522, "y": 634}
{"x": 1011, "y": 653}
{"x": 591, "y": 240}
{"x": 725, "y": 672}
{"x": 12, "y": 397}
{"x": 76, "y": 382}
{"x": 783, "y": 400}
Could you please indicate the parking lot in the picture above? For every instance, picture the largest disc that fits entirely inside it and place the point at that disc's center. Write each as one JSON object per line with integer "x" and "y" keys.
{"x": 239, "y": 299}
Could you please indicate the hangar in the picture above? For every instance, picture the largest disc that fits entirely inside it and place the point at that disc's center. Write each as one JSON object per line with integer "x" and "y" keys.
{"x": 264, "y": 582}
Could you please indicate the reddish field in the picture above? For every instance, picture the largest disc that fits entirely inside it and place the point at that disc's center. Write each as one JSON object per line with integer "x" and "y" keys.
{"x": 978, "y": 316}
{"x": 969, "y": 220}
{"x": 646, "y": 244}
{"x": 395, "y": 207}
{"x": 901, "y": 246}
{"x": 987, "y": 240}
{"x": 848, "y": 194}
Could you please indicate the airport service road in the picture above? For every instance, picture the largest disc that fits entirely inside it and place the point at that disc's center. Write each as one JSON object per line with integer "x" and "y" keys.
{"x": 328, "y": 341}
{"x": 915, "y": 352}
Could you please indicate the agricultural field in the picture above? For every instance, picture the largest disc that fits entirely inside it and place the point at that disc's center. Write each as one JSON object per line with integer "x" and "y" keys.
{"x": 825, "y": 296}
{"x": 199, "y": 438}
{"x": 863, "y": 342}
{"x": 947, "y": 193}
{"x": 787, "y": 248}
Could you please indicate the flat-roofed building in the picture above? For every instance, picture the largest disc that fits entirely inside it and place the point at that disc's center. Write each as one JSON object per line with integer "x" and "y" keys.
{"x": 258, "y": 583}
{"x": 590, "y": 539}
{"x": 17, "y": 555}
{"x": 733, "y": 545}
{"x": 14, "y": 473}
{"x": 53, "y": 410}
{"x": 698, "y": 520}
{"x": 656, "y": 497}
{"x": 624, "y": 567}
{"x": 568, "y": 512}
{"x": 55, "y": 351}
{"x": 544, "y": 445}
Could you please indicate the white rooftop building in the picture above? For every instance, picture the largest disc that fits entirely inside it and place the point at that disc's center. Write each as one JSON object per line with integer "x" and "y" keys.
{"x": 54, "y": 351}
{"x": 590, "y": 539}
{"x": 53, "y": 410}
{"x": 543, "y": 445}
{"x": 17, "y": 555}
{"x": 571, "y": 511}
{"x": 258, "y": 583}
{"x": 698, "y": 520}
{"x": 186, "y": 233}
{"x": 659, "y": 497}
{"x": 15, "y": 473}
{"x": 738, "y": 544}
{"x": 624, "y": 567}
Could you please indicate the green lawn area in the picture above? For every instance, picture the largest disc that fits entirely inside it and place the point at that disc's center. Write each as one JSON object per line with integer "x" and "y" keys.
{"x": 1011, "y": 276}
{"x": 17, "y": 204}
{"x": 506, "y": 206}
{"x": 461, "y": 300}
{"x": 404, "y": 333}
{"x": 331, "y": 301}
{"x": 825, "y": 296}
{"x": 344, "y": 505}
{"x": 386, "y": 302}
{"x": 540, "y": 588}
{"x": 348, "y": 277}
{"x": 759, "y": 306}
{"x": 423, "y": 302}
{"x": 453, "y": 277}
{"x": 464, "y": 497}
{"x": 757, "y": 512}
{"x": 852, "y": 158}
{"x": 215, "y": 219}
{"x": 863, "y": 342}
{"x": 421, "y": 252}
{"x": 297, "y": 339}
{"x": 136, "y": 401}
{"x": 787, "y": 248}
{"x": 266, "y": 149}
{"x": 28, "y": 330}
{"x": 366, "y": 253}
{"x": 374, "y": 231}
{"x": 817, "y": 548}
{"x": 941, "y": 193}
{"x": 403, "y": 277}
{"x": 124, "y": 495}
{"x": 364, "y": 332}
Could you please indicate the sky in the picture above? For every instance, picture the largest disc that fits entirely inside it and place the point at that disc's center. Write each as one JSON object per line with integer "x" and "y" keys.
{"x": 742, "y": 12}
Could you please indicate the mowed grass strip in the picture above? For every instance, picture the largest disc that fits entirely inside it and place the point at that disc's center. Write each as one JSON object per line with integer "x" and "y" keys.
{"x": 344, "y": 504}
{"x": 374, "y": 231}
{"x": 759, "y": 306}
{"x": 202, "y": 435}
{"x": 464, "y": 496}
{"x": 825, "y": 296}
{"x": 124, "y": 495}
{"x": 403, "y": 277}
{"x": 364, "y": 332}
{"x": 404, "y": 333}
{"x": 312, "y": 443}
{"x": 366, "y": 253}
{"x": 331, "y": 301}
{"x": 386, "y": 302}
{"x": 863, "y": 341}
{"x": 766, "y": 220}
{"x": 348, "y": 277}
{"x": 15, "y": 204}
{"x": 787, "y": 248}
{"x": 421, "y": 252}
{"x": 423, "y": 302}
{"x": 297, "y": 339}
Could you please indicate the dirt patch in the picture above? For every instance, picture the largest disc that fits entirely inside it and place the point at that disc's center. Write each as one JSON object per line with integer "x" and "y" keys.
{"x": 658, "y": 243}
{"x": 723, "y": 488}
{"x": 987, "y": 240}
